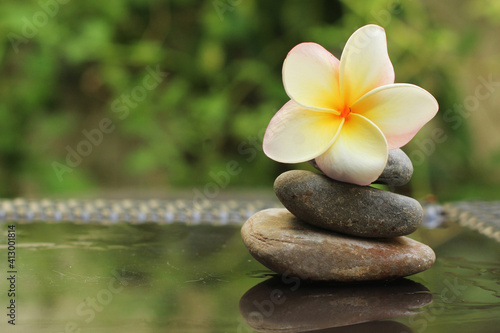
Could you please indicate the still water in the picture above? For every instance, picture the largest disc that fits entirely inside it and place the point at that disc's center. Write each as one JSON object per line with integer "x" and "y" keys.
{"x": 178, "y": 278}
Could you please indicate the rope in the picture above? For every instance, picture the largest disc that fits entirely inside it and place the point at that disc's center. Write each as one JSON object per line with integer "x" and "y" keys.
{"x": 131, "y": 211}
{"x": 481, "y": 216}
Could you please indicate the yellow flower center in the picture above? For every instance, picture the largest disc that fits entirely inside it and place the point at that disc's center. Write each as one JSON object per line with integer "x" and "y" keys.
{"x": 345, "y": 112}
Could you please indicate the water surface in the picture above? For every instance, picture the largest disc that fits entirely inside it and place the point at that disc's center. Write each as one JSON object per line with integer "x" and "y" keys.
{"x": 178, "y": 278}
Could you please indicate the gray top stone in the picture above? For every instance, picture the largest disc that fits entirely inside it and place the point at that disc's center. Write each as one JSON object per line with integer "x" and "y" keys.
{"x": 347, "y": 208}
{"x": 286, "y": 245}
{"x": 397, "y": 172}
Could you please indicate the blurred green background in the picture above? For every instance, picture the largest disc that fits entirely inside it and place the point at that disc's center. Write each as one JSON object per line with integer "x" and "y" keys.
{"x": 67, "y": 66}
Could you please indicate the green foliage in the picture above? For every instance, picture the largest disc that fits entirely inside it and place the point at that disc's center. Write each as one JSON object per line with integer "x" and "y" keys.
{"x": 62, "y": 75}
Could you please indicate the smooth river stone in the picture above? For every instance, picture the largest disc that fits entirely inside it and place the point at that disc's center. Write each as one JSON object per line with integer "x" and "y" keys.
{"x": 347, "y": 208}
{"x": 288, "y": 246}
{"x": 397, "y": 172}
{"x": 286, "y": 305}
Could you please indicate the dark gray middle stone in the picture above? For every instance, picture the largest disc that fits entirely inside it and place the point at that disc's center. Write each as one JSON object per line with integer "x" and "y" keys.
{"x": 347, "y": 208}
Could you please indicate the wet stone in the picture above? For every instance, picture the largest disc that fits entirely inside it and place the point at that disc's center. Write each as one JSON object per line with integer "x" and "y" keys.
{"x": 288, "y": 246}
{"x": 397, "y": 172}
{"x": 347, "y": 208}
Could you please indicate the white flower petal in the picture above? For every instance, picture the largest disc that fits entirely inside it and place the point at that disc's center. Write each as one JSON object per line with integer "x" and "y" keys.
{"x": 399, "y": 110}
{"x": 365, "y": 63}
{"x": 358, "y": 155}
{"x": 311, "y": 77}
{"x": 296, "y": 134}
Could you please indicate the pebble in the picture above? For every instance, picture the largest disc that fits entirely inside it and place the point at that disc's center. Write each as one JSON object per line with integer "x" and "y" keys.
{"x": 397, "y": 172}
{"x": 347, "y": 208}
{"x": 288, "y": 246}
{"x": 283, "y": 304}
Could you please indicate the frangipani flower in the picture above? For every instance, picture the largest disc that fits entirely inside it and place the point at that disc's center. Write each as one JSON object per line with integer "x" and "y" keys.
{"x": 346, "y": 114}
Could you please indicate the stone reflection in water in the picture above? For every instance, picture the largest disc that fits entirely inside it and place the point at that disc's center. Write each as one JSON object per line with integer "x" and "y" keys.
{"x": 283, "y": 304}
{"x": 371, "y": 327}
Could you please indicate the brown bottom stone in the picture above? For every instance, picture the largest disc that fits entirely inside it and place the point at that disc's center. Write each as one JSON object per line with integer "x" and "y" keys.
{"x": 284, "y": 244}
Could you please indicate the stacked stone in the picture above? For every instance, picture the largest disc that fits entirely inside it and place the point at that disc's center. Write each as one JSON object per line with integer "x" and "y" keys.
{"x": 335, "y": 231}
